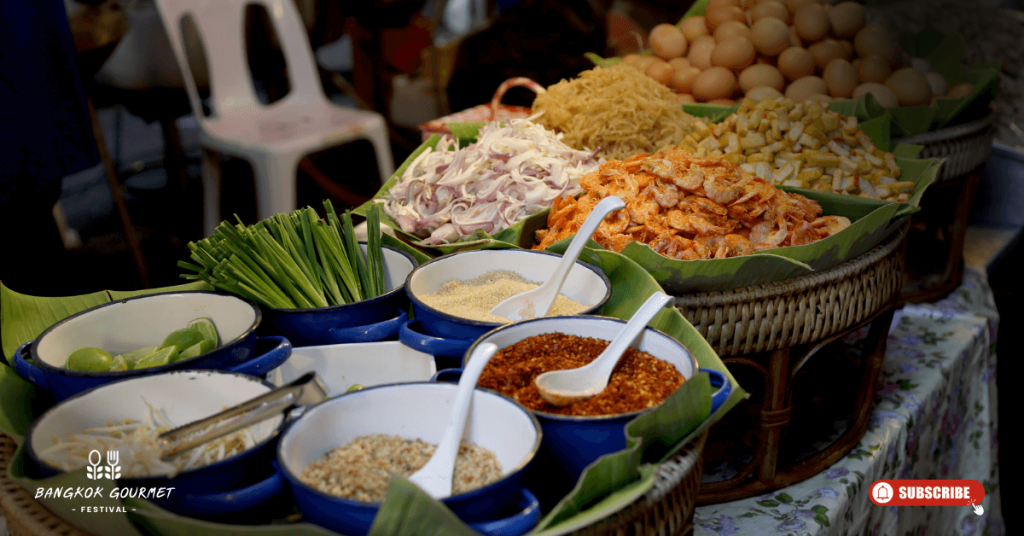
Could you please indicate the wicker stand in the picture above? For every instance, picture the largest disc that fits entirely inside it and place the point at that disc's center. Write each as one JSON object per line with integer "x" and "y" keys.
{"x": 769, "y": 336}
{"x": 666, "y": 510}
{"x": 935, "y": 259}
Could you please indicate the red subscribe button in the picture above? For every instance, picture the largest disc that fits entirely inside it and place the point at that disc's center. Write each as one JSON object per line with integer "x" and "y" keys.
{"x": 927, "y": 492}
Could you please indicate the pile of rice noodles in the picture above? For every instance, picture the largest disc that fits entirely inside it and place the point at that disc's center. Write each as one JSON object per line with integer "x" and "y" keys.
{"x": 510, "y": 173}
{"x": 617, "y": 110}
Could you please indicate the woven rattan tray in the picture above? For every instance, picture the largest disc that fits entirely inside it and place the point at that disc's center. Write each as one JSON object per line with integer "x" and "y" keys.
{"x": 667, "y": 509}
{"x": 964, "y": 147}
{"x": 800, "y": 310}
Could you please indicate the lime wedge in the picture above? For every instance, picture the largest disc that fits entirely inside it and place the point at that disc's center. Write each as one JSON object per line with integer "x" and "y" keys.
{"x": 162, "y": 356}
{"x": 134, "y": 356}
{"x": 209, "y": 332}
{"x": 89, "y": 359}
{"x": 118, "y": 365}
{"x": 191, "y": 351}
{"x": 181, "y": 339}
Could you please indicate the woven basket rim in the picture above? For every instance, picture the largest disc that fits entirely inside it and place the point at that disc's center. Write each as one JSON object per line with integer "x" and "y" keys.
{"x": 792, "y": 286}
{"x": 949, "y": 133}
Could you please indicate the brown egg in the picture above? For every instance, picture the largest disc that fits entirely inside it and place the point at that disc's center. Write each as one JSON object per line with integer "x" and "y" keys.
{"x": 731, "y": 28}
{"x": 761, "y": 75}
{"x": 811, "y": 22}
{"x": 848, "y": 51}
{"x": 760, "y": 93}
{"x": 794, "y": 5}
{"x": 700, "y": 52}
{"x": 682, "y": 79}
{"x": 873, "y": 69}
{"x": 826, "y": 51}
{"x": 874, "y": 40}
{"x": 800, "y": 89}
{"x": 794, "y": 39}
{"x": 910, "y": 86}
{"x": 715, "y": 17}
{"x": 714, "y": 83}
{"x": 722, "y": 102}
{"x": 819, "y": 97}
{"x": 645, "y": 61}
{"x": 846, "y": 19}
{"x": 660, "y": 71}
{"x": 714, "y": 4}
{"x": 882, "y": 94}
{"x": 667, "y": 41}
{"x": 694, "y": 27}
{"x": 685, "y": 98}
{"x": 766, "y": 60}
{"x": 679, "y": 63}
{"x": 630, "y": 59}
{"x": 960, "y": 91}
{"x": 796, "y": 63}
{"x": 841, "y": 78}
{"x": 770, "y": 8}
{"x": 734, "y": 53}
{"x": 770, "y": 36}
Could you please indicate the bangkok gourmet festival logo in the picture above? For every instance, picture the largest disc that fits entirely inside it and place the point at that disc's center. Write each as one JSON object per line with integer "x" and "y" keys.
{"x": 97, "y": 471}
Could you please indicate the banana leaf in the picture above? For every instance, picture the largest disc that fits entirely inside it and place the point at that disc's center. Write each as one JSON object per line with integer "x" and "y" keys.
{"x": 696, "y": 9}
{"x": 608, "y": 485}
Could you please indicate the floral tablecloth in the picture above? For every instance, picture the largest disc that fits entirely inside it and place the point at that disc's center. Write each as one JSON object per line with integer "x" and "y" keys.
{"x": 935, "y": 418}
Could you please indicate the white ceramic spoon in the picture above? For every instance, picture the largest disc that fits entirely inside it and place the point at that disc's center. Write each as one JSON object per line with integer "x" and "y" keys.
{"x": 435, "y": 477}
{"x": 537, "y": 302}
{"x": 564, "y": 387}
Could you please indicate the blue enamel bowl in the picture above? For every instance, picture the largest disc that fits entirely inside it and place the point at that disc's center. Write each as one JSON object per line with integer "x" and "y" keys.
{"x": 443, "y": 334}
{"x": 411, "y": 410}
{"x": 183, "y": 397}
{"x": 369, "y": 320}
{"x": 575, "y": 442}
{"x": 143, "y": 321}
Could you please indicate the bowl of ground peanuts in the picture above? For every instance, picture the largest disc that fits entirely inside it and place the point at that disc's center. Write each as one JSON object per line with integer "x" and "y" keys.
{"x": 340, "y": 456}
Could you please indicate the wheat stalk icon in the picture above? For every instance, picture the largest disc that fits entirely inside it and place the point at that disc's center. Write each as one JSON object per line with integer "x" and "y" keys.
{"x": 93, "y": 470}
{"x": 113, "y": 470}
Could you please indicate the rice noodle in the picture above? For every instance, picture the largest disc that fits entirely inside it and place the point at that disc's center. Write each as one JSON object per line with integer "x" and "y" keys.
{"x": 617, "y": 110}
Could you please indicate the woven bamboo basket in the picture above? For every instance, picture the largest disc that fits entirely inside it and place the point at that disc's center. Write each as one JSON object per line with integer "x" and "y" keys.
{"x": 965, "y": 147}
{"x": 805, "y": 309}
{"x": 666, "y": 510}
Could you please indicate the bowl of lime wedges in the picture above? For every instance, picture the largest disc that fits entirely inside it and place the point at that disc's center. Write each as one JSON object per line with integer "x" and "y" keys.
{"x": 147, "y": 335}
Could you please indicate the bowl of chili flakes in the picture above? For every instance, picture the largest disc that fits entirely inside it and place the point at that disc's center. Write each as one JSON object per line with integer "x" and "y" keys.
{"x": 654, "y": 367}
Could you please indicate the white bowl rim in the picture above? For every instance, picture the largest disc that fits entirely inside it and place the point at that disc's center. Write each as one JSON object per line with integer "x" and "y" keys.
{"x": 526, "y": 460}
{"x": 452, "y": 318}
{"x": 389, "y": 294}
{"x": 581, "y": 419}
{"x": 175, "y": 366}
{"x": 270, "y": 437}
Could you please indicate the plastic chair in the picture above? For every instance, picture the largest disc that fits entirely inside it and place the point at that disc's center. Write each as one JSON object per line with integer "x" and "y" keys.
{"x": 273, "y": 138}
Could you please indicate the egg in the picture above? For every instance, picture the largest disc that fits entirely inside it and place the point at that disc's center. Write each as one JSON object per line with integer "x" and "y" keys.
{"x": 921, "y": 64}
{"x": 685, "y": 98}
{"x": 882, "y": 94}
{"x": 794, "y": 5}
{"x": 841, "y": 78}
{"x": 794, "y": 39}
{"x": 719, "y": 15}
{"x": 643, "y": 62}
{"x": 873, "y": 69}
{"x": 795, "y": 63}
{"x": 910, "y": 86}
{"x": 667, "y": 41}
{"x": 682, "y": 79}
{"x": 960, "y": 91}
{"x": 694, "y": 27}
{"x": 874, "y": 40}
{"x": 714, "y": 4}
{"x": 660, "y": 71}
{"x": 630, "y": 59}
{"x": 761, "y": 75}
{"x": 700, "y": 52}
{"x": 800, "y": 89}
{"x": 679, "y": 63}
{"x": 938, "y": 83}
{"x": 848, "y": 50}
{"x": 770, "y": 36}
{"x": 770, "y": 8}
{"x": 734, "y": 53}
{"x": 731, "y": 28}
{"x": 818, "y": 97}
{"x": 760, "y": 93}
{"x": 714, "y": 83}
{"x": 825, "y": 51}
{"x": 722, "y": 102}
{"x": 811, "y": 22}
{"x": 846, "y": 19}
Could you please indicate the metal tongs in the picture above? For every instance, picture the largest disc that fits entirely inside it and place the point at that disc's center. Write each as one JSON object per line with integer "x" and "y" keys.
{"x": 304, "y": 391}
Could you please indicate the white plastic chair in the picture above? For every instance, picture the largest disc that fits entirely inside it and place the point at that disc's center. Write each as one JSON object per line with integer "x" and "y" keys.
{"x": 273, "y": 138}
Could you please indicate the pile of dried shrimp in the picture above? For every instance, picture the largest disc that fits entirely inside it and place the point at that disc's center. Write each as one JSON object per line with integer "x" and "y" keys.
{"x": 690, "y": 208}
